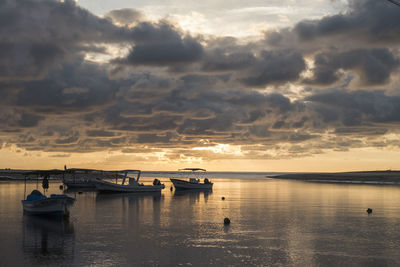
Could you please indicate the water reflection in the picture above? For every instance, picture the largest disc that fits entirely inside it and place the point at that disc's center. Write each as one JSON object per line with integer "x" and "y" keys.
{"x": 48, "y": 240}
{"x": 193, "y": 195}
{"x": 79, "y": 190}
{"x": 130, "y": 208}
{"x": 127, "y": 196}
{"x": 273, "y": 222}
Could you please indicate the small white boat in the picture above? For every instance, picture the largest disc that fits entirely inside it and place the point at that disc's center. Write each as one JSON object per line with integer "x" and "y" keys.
{"x": 38, "y": 204}
{"x": 193, "y": 182}
{"x": 132, "y": 186}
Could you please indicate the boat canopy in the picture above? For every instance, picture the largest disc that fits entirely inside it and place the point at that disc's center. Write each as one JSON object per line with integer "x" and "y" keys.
{"x": 193, "y": 169}
{"x": 78, "y": 171}
{"x": 102, "y": 171}
{"x": 43, "y": 172}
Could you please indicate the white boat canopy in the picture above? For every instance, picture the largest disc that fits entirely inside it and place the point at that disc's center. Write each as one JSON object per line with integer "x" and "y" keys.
{"x": 193, "y": 169}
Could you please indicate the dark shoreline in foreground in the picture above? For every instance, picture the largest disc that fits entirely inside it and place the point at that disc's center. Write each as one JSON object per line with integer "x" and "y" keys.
{"x": 361, "y": 177}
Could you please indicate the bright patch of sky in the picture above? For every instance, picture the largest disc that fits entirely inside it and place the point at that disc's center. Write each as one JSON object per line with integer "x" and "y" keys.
{"x": 226, "y": 18}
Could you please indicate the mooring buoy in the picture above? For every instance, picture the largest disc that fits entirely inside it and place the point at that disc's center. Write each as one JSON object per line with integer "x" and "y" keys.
{"x": 223, "y": 198}
{"x": 369, "y": 210}
{"x": 61, "y": 187}
{"x": 227, "y": 221}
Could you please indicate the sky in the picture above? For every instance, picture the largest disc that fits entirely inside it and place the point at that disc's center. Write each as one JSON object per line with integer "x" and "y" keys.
{"x": 222, "y": 85}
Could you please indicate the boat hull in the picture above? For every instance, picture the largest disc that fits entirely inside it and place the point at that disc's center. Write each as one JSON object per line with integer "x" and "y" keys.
{"x": 104, "y": 186}
{"x": 185, "y": 185}
{"x": 46, "y": 206}
{"x": 80, "y": 184}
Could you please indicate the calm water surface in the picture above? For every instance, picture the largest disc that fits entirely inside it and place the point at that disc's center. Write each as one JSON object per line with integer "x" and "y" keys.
{"x": 273, "y": 222}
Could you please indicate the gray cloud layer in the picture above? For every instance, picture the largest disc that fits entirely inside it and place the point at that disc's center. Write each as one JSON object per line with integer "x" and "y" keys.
{"x": 174, "y": 90}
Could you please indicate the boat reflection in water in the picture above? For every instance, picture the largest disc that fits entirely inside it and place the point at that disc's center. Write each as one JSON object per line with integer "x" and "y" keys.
{"x": 48, "y": 240}
{"x": 124, "y": 205}
{"x": 129, "y": 209}
{"x": 75, "y": 190}
{"x": 193, "y": 194}
{"x": 131, "y": 196}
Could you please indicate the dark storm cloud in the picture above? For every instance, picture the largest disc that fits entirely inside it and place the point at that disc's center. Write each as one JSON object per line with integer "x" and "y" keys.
{"x": 35, "y": 35}
{"x": 14, "y": 119}
{"x": 375, "y": 21}
{"x": 367, "y": 23}
{"x": 254, "y": 99}
{"x": 374, "y": 66}
{"x": 275, "y": 67}
{"x": 29, "y": 120}
{"x": 356, "y": 108}
{"x": 186, "y": 50}
{"x": 161, "y": 44}
{"x": 27, "y": 61}
{"x": 127, "y": 117}
{"x": 357, "y": 131}
{"x": 151, "y": 33}
{"x": 208, "y": 127}
{"x": 218, "y": 60}
{"x": 78, "y": 86}
{"x": 99, "y": 133}
{"x": 68, "y": 140}
{"x": 259, "y": 131}
{"x": 255, "y": 68}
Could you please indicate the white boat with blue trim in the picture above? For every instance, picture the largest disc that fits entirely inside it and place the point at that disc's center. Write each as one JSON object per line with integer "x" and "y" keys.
{"x": 192, "y": 180}
{"x": 38, "y": 204}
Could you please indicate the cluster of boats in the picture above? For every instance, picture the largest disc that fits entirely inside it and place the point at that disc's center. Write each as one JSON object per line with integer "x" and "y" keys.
{"x": 103, "y": 181}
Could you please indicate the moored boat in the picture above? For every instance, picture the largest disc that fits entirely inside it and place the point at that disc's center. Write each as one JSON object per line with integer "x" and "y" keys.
{"x": 38, "y": 204}
{"x": 129, "y": 184}
{"x": 192, "y": 181}
{"x": 86, "y": 178}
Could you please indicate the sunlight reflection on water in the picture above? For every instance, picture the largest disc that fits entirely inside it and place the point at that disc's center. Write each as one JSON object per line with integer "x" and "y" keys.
{"x": 273, "y": 222}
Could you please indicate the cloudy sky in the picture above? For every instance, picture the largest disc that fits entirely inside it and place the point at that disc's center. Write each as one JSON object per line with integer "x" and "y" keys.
{"x": 224, "y": 85}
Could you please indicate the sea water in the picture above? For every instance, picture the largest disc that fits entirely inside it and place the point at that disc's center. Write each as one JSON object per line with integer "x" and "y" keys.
{"x": 273, "y": 223}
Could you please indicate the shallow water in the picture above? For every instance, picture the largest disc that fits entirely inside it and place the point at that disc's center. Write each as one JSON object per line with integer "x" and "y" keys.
{"x": 273, "y": 222}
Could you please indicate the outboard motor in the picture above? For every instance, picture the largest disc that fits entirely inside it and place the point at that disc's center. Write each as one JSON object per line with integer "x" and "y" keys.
{"x": 156, "y": 182}
{"x": 206, "y": 181}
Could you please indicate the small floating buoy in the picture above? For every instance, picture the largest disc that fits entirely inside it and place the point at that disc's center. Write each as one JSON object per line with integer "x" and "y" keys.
{"x": 171, "y": 188}
{"x": 223, "y": 198}
{"x": 61, "y": 187}
{"x": 227, "y": 221}
{"x": 369, "y": 210}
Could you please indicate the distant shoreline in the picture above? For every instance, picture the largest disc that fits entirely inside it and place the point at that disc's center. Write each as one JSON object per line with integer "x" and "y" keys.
{"x": 387, "y": 177}
{"x": 362, "y": 177}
